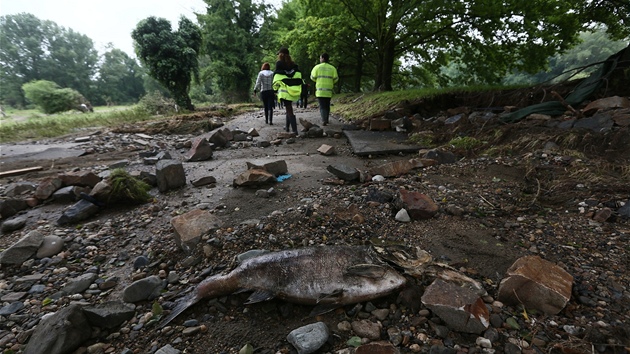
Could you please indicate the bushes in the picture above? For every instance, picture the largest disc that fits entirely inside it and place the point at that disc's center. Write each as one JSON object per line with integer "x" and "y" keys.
{"x": 51, "y": 98}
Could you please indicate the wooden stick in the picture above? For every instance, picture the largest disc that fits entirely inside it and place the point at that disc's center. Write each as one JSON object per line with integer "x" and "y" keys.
{"x": 20, "y": 171}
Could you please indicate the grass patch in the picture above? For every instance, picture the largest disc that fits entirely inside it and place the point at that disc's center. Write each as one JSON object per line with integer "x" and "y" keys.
{"x": 465, "y": 142}
{"x": 126, "y": 188}
{"x": 354, "y": 106}
{"x": 31, "y": 124}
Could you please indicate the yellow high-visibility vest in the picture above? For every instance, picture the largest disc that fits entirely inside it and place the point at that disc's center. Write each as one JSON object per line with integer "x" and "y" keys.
{"x": 325, "y": 77}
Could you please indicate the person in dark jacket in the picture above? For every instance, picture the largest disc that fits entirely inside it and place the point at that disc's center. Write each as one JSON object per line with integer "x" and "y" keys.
{"x": 287, "y": 82}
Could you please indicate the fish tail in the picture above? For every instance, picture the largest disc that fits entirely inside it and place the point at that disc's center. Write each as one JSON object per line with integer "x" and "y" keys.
{"x": 181, "y": 305}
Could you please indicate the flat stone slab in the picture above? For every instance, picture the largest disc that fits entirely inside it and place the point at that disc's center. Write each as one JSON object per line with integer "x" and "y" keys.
{"x": 376, "y": 142}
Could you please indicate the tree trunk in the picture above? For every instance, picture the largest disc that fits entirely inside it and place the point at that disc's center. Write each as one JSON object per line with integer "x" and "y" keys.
{"x": 358, "y": 70}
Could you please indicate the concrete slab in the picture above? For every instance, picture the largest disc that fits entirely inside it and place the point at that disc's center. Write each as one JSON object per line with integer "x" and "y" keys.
{"x": 379, "y": 142}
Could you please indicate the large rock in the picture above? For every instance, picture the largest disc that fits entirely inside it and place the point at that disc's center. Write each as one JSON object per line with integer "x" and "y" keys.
{"x": 344, "y": 172}
{"x": 79, "y": 211}
{"x": 79, "y": 284}
{"x": 20, "y": 188}
{"x": 144, "y": 289}
{"x": 60, "y": 333}
{"x": 253, "y": 178}
{"x": 201, "y": 150}
{"x": 190, "y": 227}
{"x": 536, "y": 284}
{"x": 109, "y": 314}
{"x": 80, "y": 178}
{"x": 47, "y": 187}
{"x": 10, "y": 207}
{"x": 170, "y": 175}
{"x": 309, "y": 338}
{"x": 276, "y": 168}
{"x": 22, "y": 250}
{"x": 459, "y": 307}
{"x": 606, "y": 104}
{"x": 221, "y": 137}
{"x": 419, "y": 206}
{"x": 51, "y": 245}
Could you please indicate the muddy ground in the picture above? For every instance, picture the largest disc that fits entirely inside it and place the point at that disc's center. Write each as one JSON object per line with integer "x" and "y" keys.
{"x": 513, "y": 196}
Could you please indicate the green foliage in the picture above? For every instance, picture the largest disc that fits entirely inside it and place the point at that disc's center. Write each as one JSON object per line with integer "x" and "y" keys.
{"x": 51, "y": 98}
{"x": 31, "y": 49}
{"x": 128, "y": 189}
{"x": 120, "y": 79}
{"x": 593, "y": 47}
{"x": 232, "y": 44}
{"x": 170, "y": 56}
{"x": 465, "y": 142}
{"x": 156, "y": 103}
{"x": 422, "y": 139}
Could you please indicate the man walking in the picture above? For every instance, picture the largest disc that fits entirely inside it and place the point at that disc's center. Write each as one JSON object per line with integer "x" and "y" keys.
{"x": 325, "y": 77}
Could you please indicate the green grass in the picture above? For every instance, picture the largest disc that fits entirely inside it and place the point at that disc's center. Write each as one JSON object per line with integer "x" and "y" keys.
{"x": 30, "y": 124}
{"x": 355, "y": 106}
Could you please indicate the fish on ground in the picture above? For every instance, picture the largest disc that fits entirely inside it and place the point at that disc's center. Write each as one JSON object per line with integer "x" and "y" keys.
{"x": 322, "y": 275}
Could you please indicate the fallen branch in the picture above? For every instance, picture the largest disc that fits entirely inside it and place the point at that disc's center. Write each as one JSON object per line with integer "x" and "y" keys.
{"x": 565, "y": 104}
{"x": 20, "y": 171}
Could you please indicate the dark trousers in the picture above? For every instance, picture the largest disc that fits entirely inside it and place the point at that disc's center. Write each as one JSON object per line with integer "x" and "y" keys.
{"x": 268, "y": 98}
{"x": 291, "y": 120}
{"x": 324, "y": 108}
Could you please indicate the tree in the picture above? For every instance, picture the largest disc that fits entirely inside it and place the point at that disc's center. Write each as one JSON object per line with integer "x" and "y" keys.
{"x": 231, "y": 41}
{"x": 169, "y": 56}
{"x": 487, "y": 38}
{"x": 31, "y": 49}
{"x": 119, "y": 78}
{"x": 50, "y": 97}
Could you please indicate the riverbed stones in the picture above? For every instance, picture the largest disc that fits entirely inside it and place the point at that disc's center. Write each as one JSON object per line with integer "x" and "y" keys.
{"x": 309, "y": 338}
{"x": 61, "y": 333}
{"x": 253, "y": 177}
{"x": 51, "y": 245}
{"x": 201, "y": 150}
{"x": 191, "y": 226}
{"x": 144, "y": 289}
{"x": 459, "y": 307}
{"x": 344, "y": 172}
{"x": 537, "y": 284}
{"x": 170, "y": 175}
{"x": 79, "y": 211}
{"x": 419, "y": 206}
{"x": 110, "y": 314}
{"x": 22, "y": 250}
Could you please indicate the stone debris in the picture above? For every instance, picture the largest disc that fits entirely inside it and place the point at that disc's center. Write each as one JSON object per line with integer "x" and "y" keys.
{"x": 344, "y": 172}
{"x": 253, "y": 178}
{"x": 191, "y": 226}
{"x": 80, "y": 211}
{"x": 61, "y": 333}
{"x": 204, "y": 181}
{"x": 22, "y": 250}
{"x": 536, "y": 284}
{"x": 308, "y": 339}
{"x": 170, "y": 175}
{"x": 326, "y": 150}
{"x": 110, "y": 314}
{"x": 201, "y": 150}
{"x": 143, "y": 289}
{"x": 459, "y": 307}
{"x": 419, "y": 206}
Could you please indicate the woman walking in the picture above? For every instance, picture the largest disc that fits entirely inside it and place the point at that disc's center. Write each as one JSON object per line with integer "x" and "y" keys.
{"x": 287, "y": 81}
{"x": 264, "y": 83}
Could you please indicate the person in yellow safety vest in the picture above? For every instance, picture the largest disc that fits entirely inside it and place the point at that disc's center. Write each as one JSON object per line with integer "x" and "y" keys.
{"x": 325, "y": 77}
{"x": 287, "y": 81}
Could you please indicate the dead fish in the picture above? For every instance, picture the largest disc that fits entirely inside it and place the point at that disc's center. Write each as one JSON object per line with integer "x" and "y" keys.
{"x": 325, "y": 276}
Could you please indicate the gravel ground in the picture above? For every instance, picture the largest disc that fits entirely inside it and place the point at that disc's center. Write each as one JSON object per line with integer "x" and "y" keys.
{"x": 493, "y": 210}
